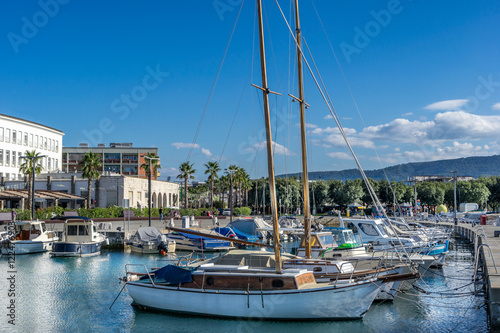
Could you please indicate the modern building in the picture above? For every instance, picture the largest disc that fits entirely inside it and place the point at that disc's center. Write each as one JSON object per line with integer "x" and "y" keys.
{"x": 19, "y": 135}
{"x": 119, "y": 158}
{"x": 110, "y": 190}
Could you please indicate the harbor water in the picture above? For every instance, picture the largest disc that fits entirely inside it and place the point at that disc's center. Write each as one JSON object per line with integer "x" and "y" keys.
{"x": 74, "y": 295}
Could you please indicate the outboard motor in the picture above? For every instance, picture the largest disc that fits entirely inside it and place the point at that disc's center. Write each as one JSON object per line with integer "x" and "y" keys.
{"x": 162, "y": 242}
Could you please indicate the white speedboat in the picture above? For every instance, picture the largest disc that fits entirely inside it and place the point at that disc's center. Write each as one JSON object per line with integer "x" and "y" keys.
{"x": 80, "y": 239}
{"x": 24, "y": 237}
{"x": 149, "y": 240}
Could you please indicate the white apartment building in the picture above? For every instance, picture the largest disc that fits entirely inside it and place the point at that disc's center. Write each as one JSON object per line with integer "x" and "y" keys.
{"x": 19, "y": 135}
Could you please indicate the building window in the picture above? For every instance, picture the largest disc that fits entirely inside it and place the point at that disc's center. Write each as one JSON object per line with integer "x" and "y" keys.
{"x": 36, "y": 141}
{"x": 1, "y": 134}
{"x": 1, "y": 156}
{"x": 7, "y": 135}
{"x": 130, "y": 170}
{"x": 7, "y": 158}
{"x": 57, "y": 146}
{"x": 41, "y": 142}
{"x": 19, "y": 154}
{"x": 19, "y": 138}
{"x": 112, "y": 158}
{"x": 48, "y": 164}
{"x": 45, "y": 143}
{"x": 14, "y": 136}
{"x": 25, "y": 139}
{"x": 112, "y": 168}
{"x": 57, "y": 164}
{"x": 13, "y": 158}
{"x": 31, "y": 140}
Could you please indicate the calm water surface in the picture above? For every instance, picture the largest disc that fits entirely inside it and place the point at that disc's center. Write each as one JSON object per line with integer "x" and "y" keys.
{"x": 74, "y": 294}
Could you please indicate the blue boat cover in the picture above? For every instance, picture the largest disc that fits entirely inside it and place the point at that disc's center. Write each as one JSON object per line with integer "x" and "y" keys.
{"x": 172, "y": 274}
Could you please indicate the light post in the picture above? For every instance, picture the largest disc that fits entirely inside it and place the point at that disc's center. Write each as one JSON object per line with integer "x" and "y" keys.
{"x": 231, "y": 192}
{"x": 33, "y": 167}
{"x": 455, "y": 196}
{"x": 149, "y": 183}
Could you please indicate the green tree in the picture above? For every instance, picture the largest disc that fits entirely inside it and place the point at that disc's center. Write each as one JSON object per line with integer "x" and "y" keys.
{"x": 187, "y": 172}
{"x": 212, "y": 168}
{"x": 430, "y": 194}
{"x": 91, "y": 163}
{"x": 26, "y": 168}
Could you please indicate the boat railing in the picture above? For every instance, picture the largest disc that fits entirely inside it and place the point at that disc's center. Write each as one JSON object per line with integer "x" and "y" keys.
{"x": 149, "y": 274}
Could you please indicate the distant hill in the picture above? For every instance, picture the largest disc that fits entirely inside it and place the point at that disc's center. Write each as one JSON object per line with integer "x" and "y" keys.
{"x": 468, "y": 166}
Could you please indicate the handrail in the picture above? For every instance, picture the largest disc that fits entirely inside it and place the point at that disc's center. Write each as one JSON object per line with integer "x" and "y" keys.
{"x": 477, "y": 260}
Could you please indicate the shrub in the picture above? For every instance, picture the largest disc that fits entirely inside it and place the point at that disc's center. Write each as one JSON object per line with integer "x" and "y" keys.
{"x": 242, "y": 211}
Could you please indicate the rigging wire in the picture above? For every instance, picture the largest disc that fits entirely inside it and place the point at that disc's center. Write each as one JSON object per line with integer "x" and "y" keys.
{"x": 344, "y": 136}
{"x": 214, "y": 84}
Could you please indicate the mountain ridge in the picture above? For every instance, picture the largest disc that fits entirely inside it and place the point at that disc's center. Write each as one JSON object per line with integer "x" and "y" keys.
{"x": 475, "y": 166}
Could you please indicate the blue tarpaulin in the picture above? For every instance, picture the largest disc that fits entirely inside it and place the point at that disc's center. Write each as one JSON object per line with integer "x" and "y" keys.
{"x": 172, "y": 274}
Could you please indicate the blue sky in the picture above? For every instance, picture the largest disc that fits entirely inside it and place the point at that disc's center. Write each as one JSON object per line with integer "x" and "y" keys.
{"x": 424, "y": 75}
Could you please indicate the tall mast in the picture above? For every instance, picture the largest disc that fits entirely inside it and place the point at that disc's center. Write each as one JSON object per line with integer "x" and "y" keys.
{"x": 270, "y": 162}
{"x": 305, "y": 178}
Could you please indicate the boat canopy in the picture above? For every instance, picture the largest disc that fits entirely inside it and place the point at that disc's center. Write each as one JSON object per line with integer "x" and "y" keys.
{"x": 148, "y": 234}
{"x": 171, "y": 274}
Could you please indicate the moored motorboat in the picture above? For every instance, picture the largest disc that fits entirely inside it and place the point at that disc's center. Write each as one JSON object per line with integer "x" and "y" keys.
{"x": 149, "y": 240}
{"x": 28, "y": 237}
{"x": 80, "y": 239}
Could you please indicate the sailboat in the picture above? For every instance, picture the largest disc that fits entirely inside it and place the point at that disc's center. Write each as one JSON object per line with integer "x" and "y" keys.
{"x": 254, "y": 293}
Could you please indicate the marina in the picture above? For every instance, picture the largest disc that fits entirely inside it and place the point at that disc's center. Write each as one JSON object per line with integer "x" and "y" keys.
{"x": 444, "y": 300}
{"x": 96, "y": 238}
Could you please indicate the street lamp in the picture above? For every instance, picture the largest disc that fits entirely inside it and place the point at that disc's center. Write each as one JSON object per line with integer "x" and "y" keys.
{"x": 455, "y": 195}
{"x": 33, "y": 167}
{"x": 149, "y": 183}
{"x": 231, "y": 192}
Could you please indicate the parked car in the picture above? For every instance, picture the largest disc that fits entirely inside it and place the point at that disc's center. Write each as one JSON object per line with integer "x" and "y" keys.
{"x": 226, "y": 212}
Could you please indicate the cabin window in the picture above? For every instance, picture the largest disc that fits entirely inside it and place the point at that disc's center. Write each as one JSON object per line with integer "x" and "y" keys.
{"x": 72, "y": 230}
{"x": 209, "y": 280}
{"x": 278, "y": 283}
{"x": 368, "y": 229}
{"x": 82, "y": 230}
{"x": 327, "y": 240}
{"x": 317, "y": 269}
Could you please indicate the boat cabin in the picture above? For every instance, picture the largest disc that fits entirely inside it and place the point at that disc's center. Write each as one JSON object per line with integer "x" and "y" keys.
{"x": 320, "y": 241}
{"x": 28, "y": 230}
{"x": 346, "y": 238}
{"x": 79, "y": 230}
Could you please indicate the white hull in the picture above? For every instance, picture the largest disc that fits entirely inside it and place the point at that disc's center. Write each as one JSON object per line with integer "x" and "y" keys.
{"x": 150, "y": 248}
{"x": 27, "y": 247}
{"x": 327, "y": 303}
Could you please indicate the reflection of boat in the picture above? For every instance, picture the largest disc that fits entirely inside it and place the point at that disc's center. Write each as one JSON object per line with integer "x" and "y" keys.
{"x": 149, "y": 240}
{"x": 80, "y": 239}
{"x": 28, "y": 237}
{"x": 187, "y": 242}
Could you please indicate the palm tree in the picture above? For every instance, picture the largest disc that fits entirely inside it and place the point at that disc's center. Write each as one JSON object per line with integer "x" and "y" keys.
{"x": 246, "y": 186}
{"x": 91, "y": 163}
{"x": 26, "y": 168}
{"x": 187, "y": 172}
{"x": 155, "y": 164}
{"x": 212, "y": 169}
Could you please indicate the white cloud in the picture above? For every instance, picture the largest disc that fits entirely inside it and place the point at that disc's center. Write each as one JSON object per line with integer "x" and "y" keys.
{"x": 453, "y": 125}
{"x": 311, "y": 126}
{"x": 407, "y": 114}
{"x": 206, "y": 152}
{"x": 340, "y": 155}
{"x": 277, "y": 148}
{"x": 328, "y": 116}
{"x": 496, "y": 106}
{"x": 180, "y": 145}
{"x": 449, "y": 105}
{"x": 172, "y": 172}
